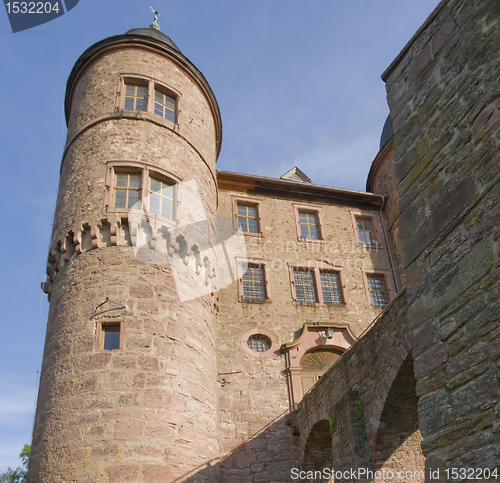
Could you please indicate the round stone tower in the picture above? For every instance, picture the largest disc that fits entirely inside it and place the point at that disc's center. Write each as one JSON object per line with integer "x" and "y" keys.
{"x": 127, "y": 387}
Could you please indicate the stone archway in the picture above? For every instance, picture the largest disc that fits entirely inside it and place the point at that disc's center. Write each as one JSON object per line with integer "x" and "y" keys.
{"x": 398, "y": 437}
{"x": 318, "y": 451}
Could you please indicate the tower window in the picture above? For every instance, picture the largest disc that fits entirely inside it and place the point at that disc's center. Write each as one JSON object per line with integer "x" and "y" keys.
{"x": 135, "y": 185}
{"x": 110, "y": 336}
{"x": 127, "y": 189}
{"x": 161, "y": 198}
{"x": 164, "y": 106}
{"x": 140, "y": 93}
{"x": 136, "y": 97}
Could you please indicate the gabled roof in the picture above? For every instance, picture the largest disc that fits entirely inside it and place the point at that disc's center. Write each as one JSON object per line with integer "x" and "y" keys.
{"x": 295, "y": 174}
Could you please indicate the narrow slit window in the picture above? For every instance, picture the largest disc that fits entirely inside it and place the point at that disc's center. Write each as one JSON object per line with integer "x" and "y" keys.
{"x": 136, "y": 97}
{"x": 110, "y": 337}
{"x": 127, "y": 190}
{"x": 305, "y": 286}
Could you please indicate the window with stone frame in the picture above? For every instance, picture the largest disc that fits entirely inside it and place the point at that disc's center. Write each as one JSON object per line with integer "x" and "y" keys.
{"x": 134, "y": 185}
{"x": 331, "y": 287}
{"x": 315, "y": 282}
{"x": 309, "y": 223}
{"x": 253, "y": 281}
{"x": 365, "y": 231}
{"x": 379, "y": 294}
{"x": 136, "y": 97}
{"x": 109, "y": 335}
{"x": 139, "y": 93}
{"x": 127, "y": 189}
{"x": 247, "y": 218}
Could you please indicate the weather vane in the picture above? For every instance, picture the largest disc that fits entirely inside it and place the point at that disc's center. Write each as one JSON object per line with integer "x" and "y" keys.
{"x": 155, "y": 25}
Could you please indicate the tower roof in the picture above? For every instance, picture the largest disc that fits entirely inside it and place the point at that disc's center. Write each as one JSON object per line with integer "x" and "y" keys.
{"x": 154, "y": 34}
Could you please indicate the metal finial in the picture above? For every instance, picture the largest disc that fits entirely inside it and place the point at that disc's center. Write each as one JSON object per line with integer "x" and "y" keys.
{"x": 155, "y": 25}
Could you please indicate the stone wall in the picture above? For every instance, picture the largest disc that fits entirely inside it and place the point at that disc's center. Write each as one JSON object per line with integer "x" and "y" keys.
{"x": 443, "y": 93}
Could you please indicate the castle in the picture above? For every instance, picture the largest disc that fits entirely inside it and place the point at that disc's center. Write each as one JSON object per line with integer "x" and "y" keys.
{"x": 212, "y": 326}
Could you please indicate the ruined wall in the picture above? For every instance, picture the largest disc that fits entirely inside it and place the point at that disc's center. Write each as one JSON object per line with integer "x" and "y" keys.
{"x": 443, "y": 93}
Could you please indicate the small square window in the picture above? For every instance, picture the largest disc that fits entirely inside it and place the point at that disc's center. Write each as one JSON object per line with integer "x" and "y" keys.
{"x": 308, "y": 223}
{"x": 379, "y": 294}
{"x": 247, "y": 219}
{"x": 305, "y": 285}
{"x": 110, "y": 337}
{"x": 365, "y": 231}
{"x": 127, "y": 190}
{"x": 136, "y": 97}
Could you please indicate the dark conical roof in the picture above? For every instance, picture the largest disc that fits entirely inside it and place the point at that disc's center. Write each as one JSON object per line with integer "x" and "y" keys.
{"x": 154, "y": 34}
{"x": 386, "y": 131}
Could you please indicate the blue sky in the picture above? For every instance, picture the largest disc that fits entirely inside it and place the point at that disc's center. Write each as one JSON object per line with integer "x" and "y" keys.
{"x": 298, "y": 83}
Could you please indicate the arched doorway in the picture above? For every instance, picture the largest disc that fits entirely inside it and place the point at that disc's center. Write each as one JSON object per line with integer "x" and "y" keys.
{"x": 314, "y": 364}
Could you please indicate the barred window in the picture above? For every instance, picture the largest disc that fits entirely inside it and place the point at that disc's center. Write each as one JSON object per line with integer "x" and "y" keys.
{"x": 305, "y": 285}
{"x": 331, "y": 287}
{"x": 247, "y": 219}
{"x": 254, "y": 286}
{"x": 378, "y": 290}
{"x": 308, "y": 223}
{"x": 365, "y": 231}
{"x": 259, "y": 343}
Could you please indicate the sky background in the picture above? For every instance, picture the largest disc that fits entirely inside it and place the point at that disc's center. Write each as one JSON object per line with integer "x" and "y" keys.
{"x": 298, "y": 83}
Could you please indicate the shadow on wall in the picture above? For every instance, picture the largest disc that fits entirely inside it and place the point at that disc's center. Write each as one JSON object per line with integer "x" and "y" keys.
{"x": 260, "y": 458}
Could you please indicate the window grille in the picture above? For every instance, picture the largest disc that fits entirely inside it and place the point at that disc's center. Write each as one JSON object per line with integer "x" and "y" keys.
{"x": 305, "y": 286}
{"x": 378, "y": 291}
{"x": 331, "y": 287}
{"x": 254, "y": 285}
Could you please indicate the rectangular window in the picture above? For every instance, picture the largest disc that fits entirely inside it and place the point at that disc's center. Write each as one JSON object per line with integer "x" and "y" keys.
{"x": 331, "y": 287}
{"x": 365, "y": 231}
{"x": 308, "y": 223}
{"x": 110, "y": 337}
{"x": 305, "y": 285}
{"x": 127, "y": 190}
{"x": 161, "y": 198}
{"x": 136, "y": 97}
{"x": 379, "y": 294}
{"x": 164, "y": 105}
{"x": 247, "y": 219}
{"x": 315, "y": 282}
{"x": 254, "y": 285}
